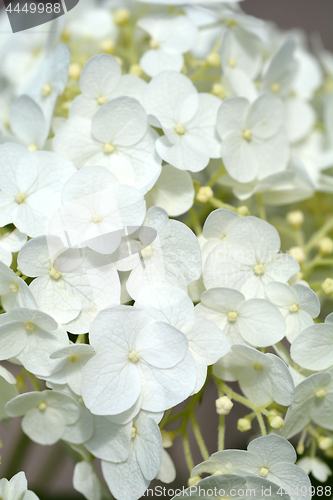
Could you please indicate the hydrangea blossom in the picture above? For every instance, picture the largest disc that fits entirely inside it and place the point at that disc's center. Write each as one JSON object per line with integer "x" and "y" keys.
{"x": 11, "y": 242}
{"x": 16, "y": 488}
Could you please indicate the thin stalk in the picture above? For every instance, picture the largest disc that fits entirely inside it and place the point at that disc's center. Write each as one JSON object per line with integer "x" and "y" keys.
{"x": 221, "y": 432}
{"x": 199, "y": 438}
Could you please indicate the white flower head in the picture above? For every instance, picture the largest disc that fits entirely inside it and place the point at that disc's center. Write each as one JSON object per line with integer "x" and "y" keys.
{"x": 11, "y": 242}
{"x": 16, "y": 488}
{"x": 28, "y": 123}
{"x": 255, "y": 321}
{"x": 135, "y": 356}
{"x": 298, "y": 304}
{"x": 86, "y": 481}
{"x": 260, "y": 376}
{"x": 316, "y": 466}
{"x": 14, "y": 291}
{"x": 46, "y": 414}
{"x": 170, "y": 37}
{"x": 187, "y": 119}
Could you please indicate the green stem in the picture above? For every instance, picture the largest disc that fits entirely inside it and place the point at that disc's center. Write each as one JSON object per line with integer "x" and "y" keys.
{"x": 186, "y": 446}
{"x": 165, "y": 418}
{"x": 199, "y": 438}
{"x": 261, "y": 207}
{"x": 261, "y": 424}
{"x": 219, "y": 204}
{"x": 221, "y": 432}
{"x": 195, "y": 221}
{"x": 213, "y": 180}
{"x": 323, "y": 231}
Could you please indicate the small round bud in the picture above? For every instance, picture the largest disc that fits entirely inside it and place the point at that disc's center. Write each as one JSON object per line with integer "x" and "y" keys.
{"x": 325, "y": 443}
{"x": 167, "y": 438}
{"x": 327, "y": 286}
{"x": 219, "y": 91}
{"x": 121, "y": 16}
{"x": 244, "y": 424}
{"x": 213, "y": 60}
{"x": 295, "y": 219}
{"x": 243, "y": 211}
{"x": 223, "y": 405}
{"x": 329, "y": 453}
{"x": 192, "y": 481}
{"x": 325, "y": 246}
{"x": 74, "y": 71}
{"x": 204, "y": 194}
{"x": 298, "y": 254}
{"x": 107, "y": 46}
{"x": 275, "y": 421}
{"x": 136, "y": 70}
{"x": 300, "y": 449}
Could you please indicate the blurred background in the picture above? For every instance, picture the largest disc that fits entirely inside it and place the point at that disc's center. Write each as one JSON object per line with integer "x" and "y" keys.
{"x": 49, "y": 470}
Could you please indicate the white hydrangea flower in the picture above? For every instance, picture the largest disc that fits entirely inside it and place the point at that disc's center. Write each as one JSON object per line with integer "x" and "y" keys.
{"x": 86, "y": 481}
{"x": 100, "y": 81}
{"x": 187, "y": 119}
{"x": 16, "y": 488}
{"x": 49, "y": 81}
{"x": 248, "y": 258}
{"x": 206, "y": 343}
{"x": 256, "y": 321}
{"x": 91, "y": 22}
{"x": 313, "y": 401}
{"x": 298, "y": 304}
{"x": 8, "y": 390}
{"x": 254, "y": 143}
{"x": 31, "y": 185}
{"x": 172, "y": 258}
{"x": 117, "y": 137}
{"x": 170, "y": 37}
{"x": 315, "y": 466}
{"x": 313, "y": 347}
{"x": 31, "y": 336}
{"x": 14, "y": 292}
{"x": 260, "y": 376}
{"x": 167, "y": 472}
{"x": 271, "y": 457}
{"x": 240, "y": 51}
{"x": 97, "y": 210}
{"x": 11, "y": 242}
{"x": 231, "y": 486}
{"x": 45, "y": 414}
{"x": 173, "y": 191}
{"x": 135, "y": 355}
{"x": 72, "y": 286}
{"x": 128, "y": 480}
{"x": 72, "y": 360}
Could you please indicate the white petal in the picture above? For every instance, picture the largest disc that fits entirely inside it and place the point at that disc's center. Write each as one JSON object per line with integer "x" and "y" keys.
{"x": 100, "y": 76}
{"x": 231, "y": 115}
{"x": 86, "y": 481}
{"x": 109, "y": 440}
{"x": 313, "y": 348}
{"x": 239, "y": 158}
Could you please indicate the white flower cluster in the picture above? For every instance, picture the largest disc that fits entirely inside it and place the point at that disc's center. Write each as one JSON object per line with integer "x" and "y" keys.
{"x": 113, "y": 124}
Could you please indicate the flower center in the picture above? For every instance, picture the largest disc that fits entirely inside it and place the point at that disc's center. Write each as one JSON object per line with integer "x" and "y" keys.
{"x": 180, "y": 129}
{"x": 29, "y": 327}
{"x": 275, "y": 87}
{"x": 232, "y": 316}
{"x": 147, "y": 251}
{"x": 46, "y": 89}
{"x": 259, "y": 269}
{"x": 154, "y": 44}
{"x": 96, "y": 218}
{"x": 54, "y": 273}
{"x": 20, "y": 197}
{"x": 101, "y": 100}
{"x": 33, "y": 147}
{"x": 73, "y": 358}
{"x": 42, "y": 406}
{"x": 133, "y": 432}
{"x": 14, "y": 287}
{"x": 133, "y": 356}
{"x": 293, "y": 308}
{"x": 257, "y": 366}
{"x": 263, "y": 472}
{"x": 108, "y": 148}
{"x": 247, "y": 134}
{"x": 232, "y": 62}
{"x": 321, "y": 393}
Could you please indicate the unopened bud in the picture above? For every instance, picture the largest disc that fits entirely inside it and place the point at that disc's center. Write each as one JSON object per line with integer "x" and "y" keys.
{"x": 295, "y": 219}
{"x": 192, "y": 481}
{"x": 325, "y": 443}
{"x": 136, "y": 70}
{"x": 121, "y": 16}
{"x": 275, "y": 421}
{"x": 298, "y": 254}
{"x": 329, "y": 453}
{"x": 244, "y": 424}
{"x": 167, "y": 438}
{"x": 204, "y": 194}
{"x": 300, "y": 449}
{"x": 325, "y": 246}
{"x": 74, "y": 71}
{"x": 219, "y": 90}
{"x": 327, "y": 286}
{"x": 243, "y": 211}
{"x": 223, "y": 405}
{"x": 107, "y": 46}
{"x": 213, "y": 60}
